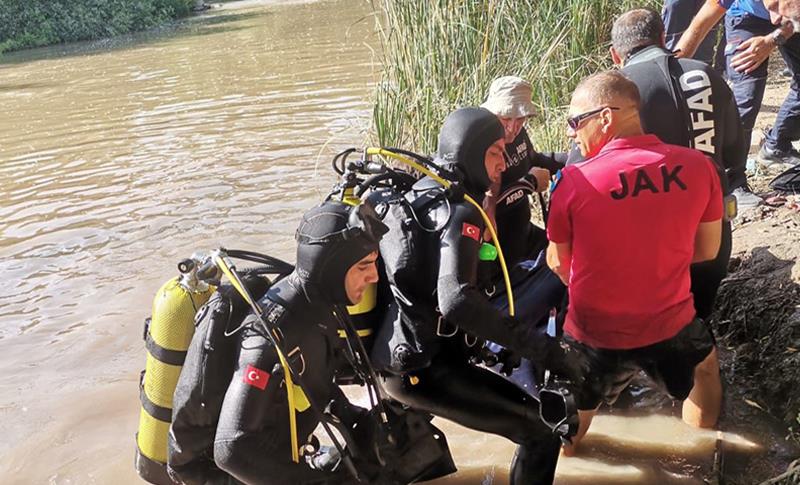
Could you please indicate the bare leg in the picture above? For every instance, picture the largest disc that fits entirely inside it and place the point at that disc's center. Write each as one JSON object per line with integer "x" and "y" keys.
{"x": 701, "y": 408}
{"x": 584, "y": 420}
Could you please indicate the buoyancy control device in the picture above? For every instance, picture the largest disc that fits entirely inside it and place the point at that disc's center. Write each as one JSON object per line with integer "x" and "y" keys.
{"x": 168, "y": 334}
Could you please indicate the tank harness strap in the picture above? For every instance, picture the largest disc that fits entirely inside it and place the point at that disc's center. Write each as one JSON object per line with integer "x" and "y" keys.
{"x": 229, "y": 270}
{"x": 167, "y": 356}
{"x": 159, "y": 412}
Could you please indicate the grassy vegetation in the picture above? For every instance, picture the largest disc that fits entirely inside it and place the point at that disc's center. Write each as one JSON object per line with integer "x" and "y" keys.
{"x": 442, "y": 54}
{"x": 34, "y": 23}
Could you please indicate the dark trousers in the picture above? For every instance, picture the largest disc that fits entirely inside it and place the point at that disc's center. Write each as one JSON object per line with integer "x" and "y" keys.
{"x": 677, "y": 15}
{"x": 707, "y": 276}
{"x": 748, "y": 89}
{"x": 536, "y": 291}
{"x": 483, "y": 401}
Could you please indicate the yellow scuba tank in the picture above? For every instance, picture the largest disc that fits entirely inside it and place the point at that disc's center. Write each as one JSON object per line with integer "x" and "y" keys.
{"x": 167, "y": 335}
{"x": 364, "y": 313}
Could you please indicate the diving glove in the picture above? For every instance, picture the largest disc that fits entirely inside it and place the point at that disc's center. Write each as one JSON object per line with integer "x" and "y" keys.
{"x": 532, "y": 342}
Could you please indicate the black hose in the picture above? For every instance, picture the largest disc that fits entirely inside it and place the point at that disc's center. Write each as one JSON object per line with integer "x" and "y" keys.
{"x": 343, "y": 157}
{"x": 398, "y": 176}
{"x": 271, "y": 264}
{"x": 446, "y": 174}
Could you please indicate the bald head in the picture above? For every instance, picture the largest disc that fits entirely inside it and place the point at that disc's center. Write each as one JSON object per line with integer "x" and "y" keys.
{"x": 604, "y": 107}
{"x": 610, "y": 88}
{"x": 636, "y": 29}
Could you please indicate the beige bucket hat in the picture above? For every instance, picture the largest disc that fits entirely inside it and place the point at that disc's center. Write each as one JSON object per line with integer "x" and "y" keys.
{"x": 510, "y": 97}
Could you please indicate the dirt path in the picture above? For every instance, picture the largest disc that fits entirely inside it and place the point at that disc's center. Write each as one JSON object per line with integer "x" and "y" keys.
{"x": 757, "y": 321}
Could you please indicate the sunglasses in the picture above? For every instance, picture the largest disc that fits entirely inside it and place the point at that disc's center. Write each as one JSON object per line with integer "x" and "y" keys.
{"x": 574, "y": 122}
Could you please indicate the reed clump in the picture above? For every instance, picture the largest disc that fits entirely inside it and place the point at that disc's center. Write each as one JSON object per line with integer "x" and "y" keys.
{"x": 438, "y": 55}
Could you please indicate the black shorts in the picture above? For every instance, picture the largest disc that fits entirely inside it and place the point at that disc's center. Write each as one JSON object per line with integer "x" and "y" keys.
{"x": 604, "y": 373}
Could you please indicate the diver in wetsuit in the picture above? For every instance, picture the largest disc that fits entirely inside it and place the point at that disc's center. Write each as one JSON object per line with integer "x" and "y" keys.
{"x": 336, "y": 260}
{"x": 431, "y": 260}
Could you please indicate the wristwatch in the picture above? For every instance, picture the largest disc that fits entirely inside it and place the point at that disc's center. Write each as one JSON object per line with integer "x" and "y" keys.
{"x": 778, "y": 38}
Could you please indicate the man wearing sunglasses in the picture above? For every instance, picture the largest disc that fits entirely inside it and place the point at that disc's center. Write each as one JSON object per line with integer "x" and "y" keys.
{"x": 624, "y": 227}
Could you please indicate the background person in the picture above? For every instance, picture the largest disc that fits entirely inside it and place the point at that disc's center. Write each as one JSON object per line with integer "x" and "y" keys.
{"x": 624, "y": 227}
{"x": 677, "y": 16}
{"x": 685, "y": 102}
{"x": 536, "y": 288}
{"x": 751, "y": 38}
{"x": 526, "y": 172}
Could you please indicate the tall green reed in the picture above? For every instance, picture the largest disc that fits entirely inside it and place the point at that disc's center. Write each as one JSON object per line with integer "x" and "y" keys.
{"x": 438, "y": 55}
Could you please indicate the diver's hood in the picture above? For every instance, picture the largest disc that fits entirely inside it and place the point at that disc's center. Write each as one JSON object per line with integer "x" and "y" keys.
{"x": 465, "y": 136}
{"x": 332, "y": 237}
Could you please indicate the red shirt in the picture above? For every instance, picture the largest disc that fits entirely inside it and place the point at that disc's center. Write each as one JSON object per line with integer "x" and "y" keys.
{"x": 631, "y": 214}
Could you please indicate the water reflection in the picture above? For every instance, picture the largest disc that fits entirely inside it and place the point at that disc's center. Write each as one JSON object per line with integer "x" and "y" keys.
{"x": 120, "y": 157}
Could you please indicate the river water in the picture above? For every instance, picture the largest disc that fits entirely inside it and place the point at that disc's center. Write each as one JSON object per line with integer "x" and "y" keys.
{"x": 119, "y": 158}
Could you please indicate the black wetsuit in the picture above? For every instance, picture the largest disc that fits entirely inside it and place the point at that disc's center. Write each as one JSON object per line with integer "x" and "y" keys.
{"x": 685, "y": 102}
{"x": 253, "y": 441}
{"x": 422, "y": 345}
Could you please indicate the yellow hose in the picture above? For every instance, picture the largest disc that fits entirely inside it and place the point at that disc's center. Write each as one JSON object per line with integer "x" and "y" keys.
{"x": 446, "y": 183}
{"x": 237, "y": 284}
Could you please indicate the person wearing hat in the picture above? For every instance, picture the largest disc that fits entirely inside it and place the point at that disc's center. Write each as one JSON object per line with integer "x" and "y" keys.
{"x": 536, "y": 288}
{"x": 526, "y": 171}
{"x": 438, "y": 313}
{"x": 336, "y": 261}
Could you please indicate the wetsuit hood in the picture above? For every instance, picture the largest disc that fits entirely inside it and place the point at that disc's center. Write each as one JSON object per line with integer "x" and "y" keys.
{"x": 465, "y": 136}
{"x": 332, "y": 237}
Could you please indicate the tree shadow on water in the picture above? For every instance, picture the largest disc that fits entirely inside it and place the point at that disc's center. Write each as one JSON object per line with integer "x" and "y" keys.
{"x": 203, "y": 25}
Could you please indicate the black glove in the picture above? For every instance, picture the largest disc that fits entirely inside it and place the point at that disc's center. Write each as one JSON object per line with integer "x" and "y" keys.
{"x": 531, "y": 342}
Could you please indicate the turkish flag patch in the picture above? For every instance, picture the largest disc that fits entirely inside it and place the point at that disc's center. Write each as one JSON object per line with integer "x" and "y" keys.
{"x": 471, "y": 231}
{"x": 256, "y": 377}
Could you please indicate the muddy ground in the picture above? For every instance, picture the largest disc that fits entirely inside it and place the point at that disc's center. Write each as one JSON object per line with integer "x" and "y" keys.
{"x": 757, "y": 321}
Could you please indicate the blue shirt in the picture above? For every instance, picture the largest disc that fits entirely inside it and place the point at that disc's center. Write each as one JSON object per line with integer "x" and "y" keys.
{"x": 739, "y": 7}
